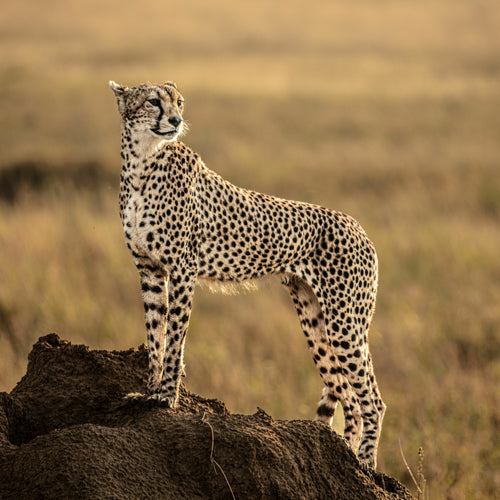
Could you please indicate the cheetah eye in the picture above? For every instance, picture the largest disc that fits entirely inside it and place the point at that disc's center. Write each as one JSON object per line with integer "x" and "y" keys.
{"x": 154, "y": 102}
{"x": 180, "y": 102}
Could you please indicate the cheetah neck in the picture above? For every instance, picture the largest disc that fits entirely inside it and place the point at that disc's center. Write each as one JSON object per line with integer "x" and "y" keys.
{"x": 137, "y": 158}
{"x": 138, "y": 151}
{"x": 137, "y": 155}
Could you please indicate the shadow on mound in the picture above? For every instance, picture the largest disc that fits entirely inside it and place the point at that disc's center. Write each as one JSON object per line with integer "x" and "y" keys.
{"x": 67, "y": 432}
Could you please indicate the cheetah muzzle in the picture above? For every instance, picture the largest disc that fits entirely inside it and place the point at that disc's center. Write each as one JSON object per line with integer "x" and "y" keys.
{"x": 183, "y": 222}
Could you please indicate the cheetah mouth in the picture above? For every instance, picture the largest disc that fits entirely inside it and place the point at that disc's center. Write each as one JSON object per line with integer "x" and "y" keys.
{"x": 167, "y": 133}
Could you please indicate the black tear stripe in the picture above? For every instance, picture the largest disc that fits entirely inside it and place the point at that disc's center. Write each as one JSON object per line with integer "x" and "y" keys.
{"x": 158, "y": 120}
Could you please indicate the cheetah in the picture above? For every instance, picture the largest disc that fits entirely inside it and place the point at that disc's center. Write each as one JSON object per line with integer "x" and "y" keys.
{"x": 183, "y": 222}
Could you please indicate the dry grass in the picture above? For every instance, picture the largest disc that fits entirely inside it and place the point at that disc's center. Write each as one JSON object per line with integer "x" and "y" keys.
{"x": 387, "y": 111}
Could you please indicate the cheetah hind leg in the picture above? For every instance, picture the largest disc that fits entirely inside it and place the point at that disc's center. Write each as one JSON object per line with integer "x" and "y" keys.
{"x": 338, "y": 388}
{"x": 373, "y": 415}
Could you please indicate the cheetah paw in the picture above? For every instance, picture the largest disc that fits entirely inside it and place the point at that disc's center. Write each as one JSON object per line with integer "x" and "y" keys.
{"x": 162, "y": 399}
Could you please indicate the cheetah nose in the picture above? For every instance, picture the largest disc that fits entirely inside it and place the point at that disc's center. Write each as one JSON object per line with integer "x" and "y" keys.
{"x": 174, "y": 120}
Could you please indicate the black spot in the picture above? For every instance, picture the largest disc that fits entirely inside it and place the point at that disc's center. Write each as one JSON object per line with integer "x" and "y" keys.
{"x": 325, "y": 411}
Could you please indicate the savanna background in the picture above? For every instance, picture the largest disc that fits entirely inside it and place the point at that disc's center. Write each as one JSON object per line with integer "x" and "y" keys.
{"x": 387, "y": 110}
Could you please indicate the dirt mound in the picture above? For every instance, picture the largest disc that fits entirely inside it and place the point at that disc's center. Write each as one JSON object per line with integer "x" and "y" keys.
{"x": 67, "y": 432}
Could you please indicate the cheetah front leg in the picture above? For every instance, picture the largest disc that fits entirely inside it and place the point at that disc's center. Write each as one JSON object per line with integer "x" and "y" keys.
{"x": 180, "y": 288}
{"x": 154, "y": 295}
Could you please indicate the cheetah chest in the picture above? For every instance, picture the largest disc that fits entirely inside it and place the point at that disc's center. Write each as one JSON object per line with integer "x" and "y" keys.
{"x": 134, "y": 226}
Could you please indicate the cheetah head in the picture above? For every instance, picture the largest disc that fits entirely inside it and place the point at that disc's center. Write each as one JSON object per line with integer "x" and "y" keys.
{"x": 153, "y": 113}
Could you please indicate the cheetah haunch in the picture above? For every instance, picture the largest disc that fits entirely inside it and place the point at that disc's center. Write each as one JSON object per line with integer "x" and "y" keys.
{"x": 183, "y": 222}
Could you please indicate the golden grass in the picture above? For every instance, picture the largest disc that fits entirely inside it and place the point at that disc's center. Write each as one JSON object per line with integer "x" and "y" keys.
{"x": 386, "y": 110}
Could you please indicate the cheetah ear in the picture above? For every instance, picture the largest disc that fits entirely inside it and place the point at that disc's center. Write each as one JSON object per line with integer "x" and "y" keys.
{"x": 116, "y": 87}
{"x": 119, "y": 91}
{"x": 171, "y": 84}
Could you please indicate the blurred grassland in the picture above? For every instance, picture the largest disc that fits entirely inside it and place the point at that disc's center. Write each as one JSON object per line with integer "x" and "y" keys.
{"x": 386, "y": 110}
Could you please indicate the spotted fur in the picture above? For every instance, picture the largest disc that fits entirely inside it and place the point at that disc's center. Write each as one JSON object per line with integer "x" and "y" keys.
{"x": 183, "y": 222}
